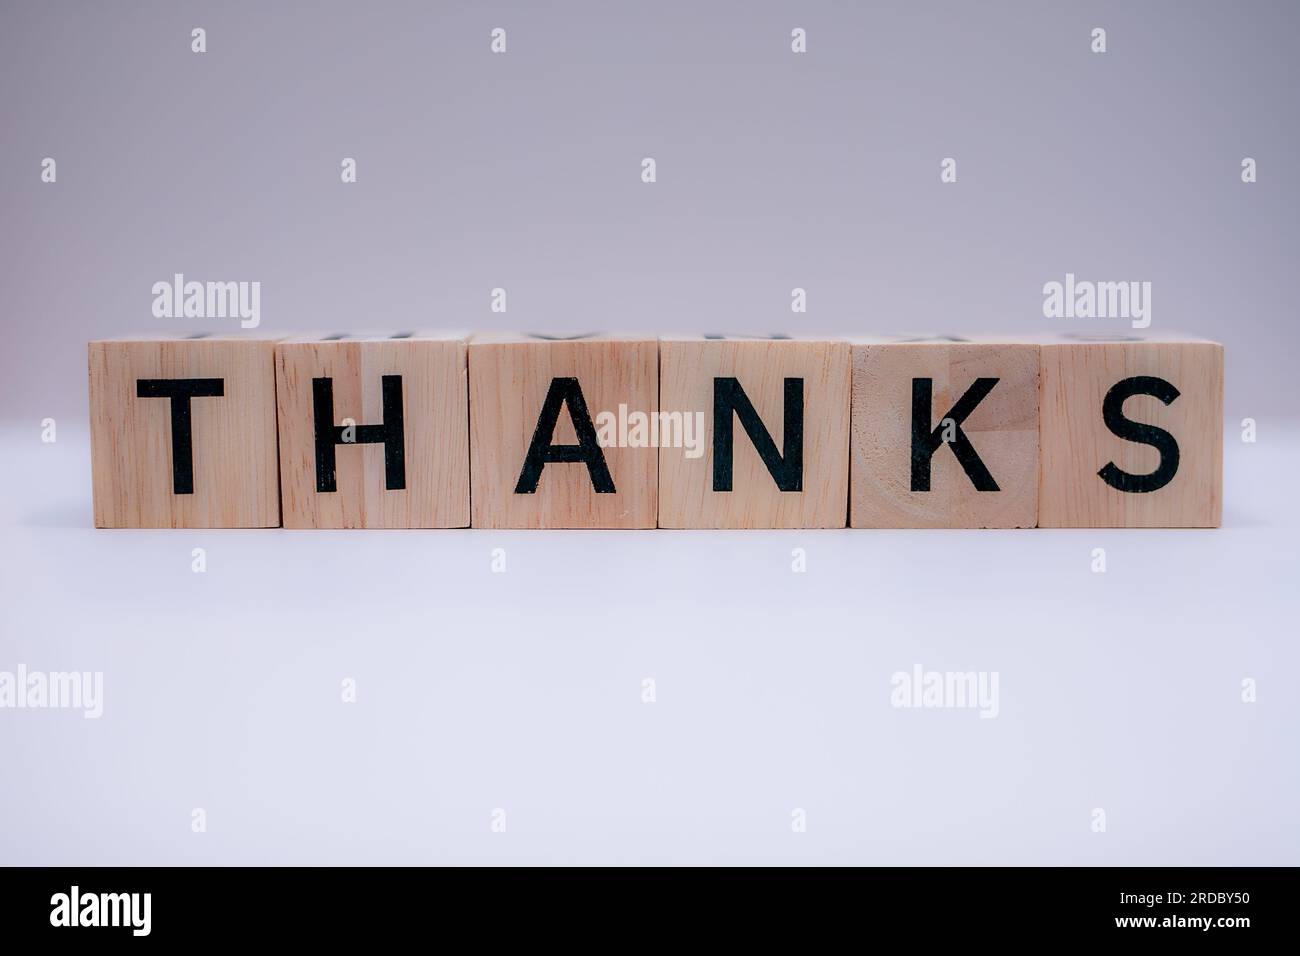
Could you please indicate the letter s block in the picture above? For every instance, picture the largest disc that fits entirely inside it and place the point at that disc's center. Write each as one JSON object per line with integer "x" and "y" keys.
{"x": 1132, "y": 432}
{"x": 374, "y": 431}
{"x": 774, "y": 452}
{"x": 945, "y": 433}
{"x": 545, "y": 447}
{"x": 182, "y": 432}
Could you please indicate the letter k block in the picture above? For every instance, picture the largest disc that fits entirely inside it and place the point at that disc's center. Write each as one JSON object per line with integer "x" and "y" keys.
{"x": 945, "y": 433}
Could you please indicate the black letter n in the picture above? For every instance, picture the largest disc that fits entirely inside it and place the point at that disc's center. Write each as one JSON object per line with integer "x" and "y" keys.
{"x": 390, "y": 434}
{"x": 785, "y": 468}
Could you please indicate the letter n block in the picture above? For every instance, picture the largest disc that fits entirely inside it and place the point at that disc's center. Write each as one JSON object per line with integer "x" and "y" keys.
{"x": 374, "y": 431}
{"x": 545, "y": 447}
{"x": 945, "y": 433}
{"x": 1132, "y": 432}
{"x": 182, "y": 432}
{"x": 774, "y": 452}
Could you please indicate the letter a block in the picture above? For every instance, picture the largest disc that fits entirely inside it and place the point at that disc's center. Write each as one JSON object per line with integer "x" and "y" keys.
{"x": 374, "y": 431}
{"x": 546, "y": 449}
{"x": 775, "y": 419}
{"x": 1132, "y": 432}
{"x": 182, "y": 432}
{"x": 945, "y": 433}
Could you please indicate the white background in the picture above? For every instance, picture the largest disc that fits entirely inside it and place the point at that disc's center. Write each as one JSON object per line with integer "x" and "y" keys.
{"x": 522, "y": 691}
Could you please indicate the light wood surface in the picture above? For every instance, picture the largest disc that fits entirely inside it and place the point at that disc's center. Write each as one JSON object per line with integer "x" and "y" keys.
{"x": 435, "y": 416}
{"x": 233, "y": 458}
{"x": 1002, "y": 429}
{"x": 688, "y": 366}
{"x": 510, "y": 376}
{"x": 1077, "y": 374}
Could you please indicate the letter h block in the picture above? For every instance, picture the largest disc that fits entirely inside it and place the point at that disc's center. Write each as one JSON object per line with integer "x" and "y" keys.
{"x": 945, "y": 432}
{"x": 1132, "y": 431}
{"x": 374, "y": 431}
{"x": 548, "y": 446}
{"x": 774, "y": 413}
{"x": 182, "y": 432}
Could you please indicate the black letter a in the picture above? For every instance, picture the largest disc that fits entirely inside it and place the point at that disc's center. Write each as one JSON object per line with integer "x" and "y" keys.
{"x": 564, "y": 391}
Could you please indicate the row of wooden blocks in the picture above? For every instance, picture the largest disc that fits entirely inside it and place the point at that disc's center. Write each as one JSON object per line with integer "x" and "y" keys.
{"x": 442, "y": 430}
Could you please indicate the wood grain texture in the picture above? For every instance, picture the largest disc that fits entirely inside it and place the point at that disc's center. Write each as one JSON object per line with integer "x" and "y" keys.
{"x": 234, "y": 476}
{"x": 1002, "y": 429}
{"x": 1077, "y": 373}
{"x": 688, "y": 366}
{"x": 510, "y": 375}
{"x": 435, "y": 413}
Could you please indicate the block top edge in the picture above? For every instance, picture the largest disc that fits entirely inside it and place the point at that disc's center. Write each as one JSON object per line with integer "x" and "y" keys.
{"x": 1118, "y": 337}
{"x": 260, "y": 337}
{"x": 941, "y": 338}
{"x": 805, "y": 337}
{"x": 559, "y": 338}
{"x": 1039, "y": 338}
{"x": 346, "y": 338}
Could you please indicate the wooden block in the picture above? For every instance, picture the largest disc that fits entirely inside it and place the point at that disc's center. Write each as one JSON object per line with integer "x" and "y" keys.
{"x": 536, "y": 403}
{"x": 945, "y": 433}
{"x": 374, "y": 431}
{"x": 775, "y": 419}
{"x": 182, "y": 432}
{"x": 1132, "y": 432}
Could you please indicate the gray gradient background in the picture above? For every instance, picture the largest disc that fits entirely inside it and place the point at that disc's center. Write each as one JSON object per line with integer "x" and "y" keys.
{"x": 522, "y": 690}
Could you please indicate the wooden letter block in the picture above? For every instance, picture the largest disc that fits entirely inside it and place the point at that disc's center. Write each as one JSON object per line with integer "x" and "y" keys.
{"x": 374, "y": 431}
{"x": 768, "y": 419}
{"x": 182, "y": 432}
{"x": 945, "y": 433}
{"x": 1132, "y": 432}
{"x": 546, "y": 448}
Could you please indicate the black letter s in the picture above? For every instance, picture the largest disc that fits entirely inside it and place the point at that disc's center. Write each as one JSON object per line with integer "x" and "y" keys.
{"x": 1112, "y": 413}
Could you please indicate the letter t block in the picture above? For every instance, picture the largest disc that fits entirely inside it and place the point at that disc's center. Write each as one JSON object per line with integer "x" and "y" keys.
{"x": 182, "y": 432}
